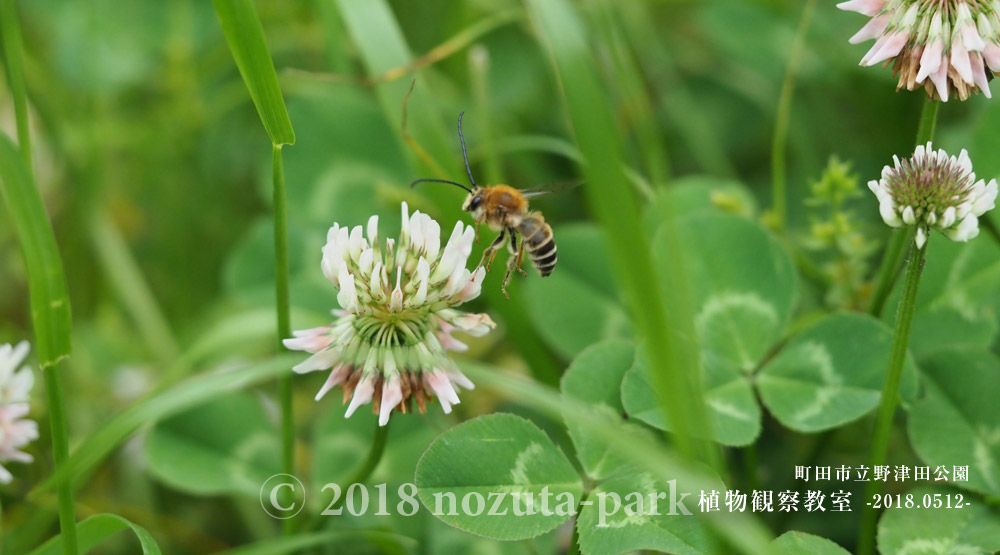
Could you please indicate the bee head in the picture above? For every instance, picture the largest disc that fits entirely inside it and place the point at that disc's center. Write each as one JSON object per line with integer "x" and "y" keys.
{"x": 473, "y": 202}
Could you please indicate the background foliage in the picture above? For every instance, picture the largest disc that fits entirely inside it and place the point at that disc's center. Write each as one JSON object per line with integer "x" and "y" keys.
{"x": 156, "y": 174}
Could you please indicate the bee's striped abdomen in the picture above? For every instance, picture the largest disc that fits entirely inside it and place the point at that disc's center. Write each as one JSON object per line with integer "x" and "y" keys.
{"x": 540, "y": 243}
{"x": 545, "y": 257}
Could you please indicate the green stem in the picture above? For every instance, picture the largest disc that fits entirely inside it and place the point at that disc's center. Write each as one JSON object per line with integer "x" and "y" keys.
{"x": 637, "y": 108}
{"x": 10, "y": 25}
{"x": 14, "y": 57}
{"x": 750, "y": 467}
{"x": 890, "y": 393}
{"x": 780, "y": 141}
{"x": 284, "y": 316}
{"x": 887, "y": 272}
{"x": 368, "y": 466}
{"x": 374, "y": 455}
{"x": 60, "y": 452}
{"x": 991, "y": 228}
{"x": 574, "y": 541}
{"x": 893, "y": 256}
{"x": 928, "y": 121}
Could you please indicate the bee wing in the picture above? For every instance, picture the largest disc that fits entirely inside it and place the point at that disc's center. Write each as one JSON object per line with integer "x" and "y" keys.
{"x": 552, "y": 187}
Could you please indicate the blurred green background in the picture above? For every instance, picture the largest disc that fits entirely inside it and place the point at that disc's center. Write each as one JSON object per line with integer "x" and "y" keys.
{"x": 156, "y": 172}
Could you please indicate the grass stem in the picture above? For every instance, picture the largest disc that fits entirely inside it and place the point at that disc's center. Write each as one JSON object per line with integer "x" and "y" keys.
{"x": 60, "y": 452}
{"x": 779, "y": 144}
{"x": 284, "y": 315}
{"x": 10, "y": 28}
{"x": 49, "y": 298}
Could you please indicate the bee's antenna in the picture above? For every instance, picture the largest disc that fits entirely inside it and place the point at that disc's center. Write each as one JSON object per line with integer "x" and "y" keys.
{"x": 441, "y": 181}
{"x": 465, "y": 156}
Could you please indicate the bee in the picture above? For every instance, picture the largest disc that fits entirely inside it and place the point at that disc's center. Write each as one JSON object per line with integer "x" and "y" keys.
{"x": 505, "y": 210}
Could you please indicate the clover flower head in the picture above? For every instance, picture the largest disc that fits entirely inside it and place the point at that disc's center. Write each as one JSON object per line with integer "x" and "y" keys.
{"x": 934, "y": 190}
{"x": 388, "y": 344}
{"x": 15, "y": 384}
{"x": 944, "y": 46}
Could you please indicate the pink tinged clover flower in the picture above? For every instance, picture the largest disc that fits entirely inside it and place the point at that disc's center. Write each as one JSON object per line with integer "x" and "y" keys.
{"x": 934, "y": 190}
{"x": 15, "y": 385}
{"x": 388, "y": 344}
{"x": 944, "y": 46}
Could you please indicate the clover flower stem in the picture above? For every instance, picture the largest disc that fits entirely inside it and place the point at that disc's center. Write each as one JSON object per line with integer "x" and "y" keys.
{"x": 780, "y": 141}
{"x": 901, "y": 237}
{"x": 374, "y": 455}
{"x": 890, "y": 393}
{"x": 284, "y": 317}
{"x": 928, "y": 121}
{"x": 60, "y": 452}
{"x": 991, "y": 228}
{"x": 887, "y": 272}
{"x": 370, "y": 462}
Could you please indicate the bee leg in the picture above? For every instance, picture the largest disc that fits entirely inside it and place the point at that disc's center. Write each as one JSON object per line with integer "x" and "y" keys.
{"x": 520, "y": 255}
{"x": 477, "y": 232}
{"x": 513, "y": 262}
{"x": 506, "y": 277}
{"x": 491, "y": 251}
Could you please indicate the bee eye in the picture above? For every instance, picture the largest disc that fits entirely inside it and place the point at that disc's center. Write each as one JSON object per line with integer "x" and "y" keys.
{"x": 476, "y": 201}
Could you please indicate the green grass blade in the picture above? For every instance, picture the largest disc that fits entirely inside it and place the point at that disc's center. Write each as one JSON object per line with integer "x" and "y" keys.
{"x": 243, "y": 333}
{"x": 92, "y": 450}
{"x": 50, "y": 308}
{"x": 284, "y": 322}
{"x": 685, "y": 110}
{"x": 779, "y": 143}
{"x": 123, "y": 272}
{"x": 441, "y": 52}
{"x": 50, "y": 312}
{"x": 382, "y": 46}
{"x": 479, "y": 72}
{"x": 665, "y": 324}
{"x": 637, "y": 107}
{"x": 94, "y": 530}
{"x": 245, "y": 36}
{"x": 13, "y": 55}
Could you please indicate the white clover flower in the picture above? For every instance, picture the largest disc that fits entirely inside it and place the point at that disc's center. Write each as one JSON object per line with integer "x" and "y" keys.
{"x": 934, "y": 190}
{"x": 388, "y": 343}
{"x": 15, "y": 430}
{"x": 942, "y": 45}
